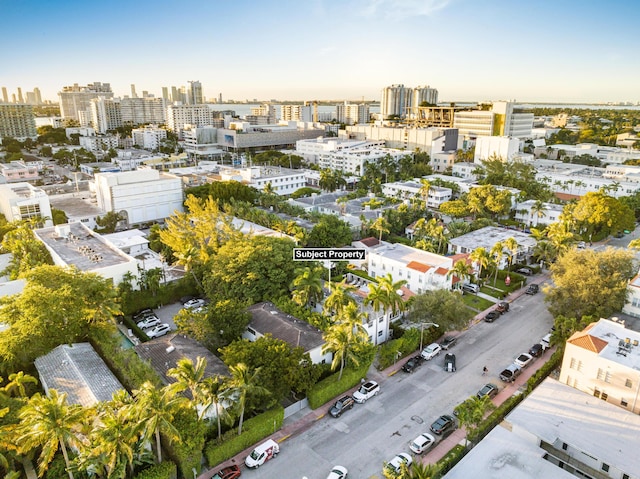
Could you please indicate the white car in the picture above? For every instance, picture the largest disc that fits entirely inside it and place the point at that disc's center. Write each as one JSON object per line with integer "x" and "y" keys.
{"x": 366, "y": 391}
{"x": 431, "y": 351}
{"x": 422, "y": 443}
{"x": 149, "y": 322}
{"x": 394, "y": 466}
{"x": 194, "y": 303}
{"x": 337, "y": 472}
{"x": 159, "y": 330}
{"x": 524, "y": 360}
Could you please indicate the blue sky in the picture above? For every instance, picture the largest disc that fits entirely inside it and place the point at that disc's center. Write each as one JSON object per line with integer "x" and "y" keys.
{"x": 470, "y": 50}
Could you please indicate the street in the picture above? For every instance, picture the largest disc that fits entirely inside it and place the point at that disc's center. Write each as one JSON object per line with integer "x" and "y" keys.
{"x": 372, "y": 433}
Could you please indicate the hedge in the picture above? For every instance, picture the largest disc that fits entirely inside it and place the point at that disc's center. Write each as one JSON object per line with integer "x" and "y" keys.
{"x": 253, "y": 431}
{"x": 407, "y": 344}
{"x": 187, "y": 453}
{"x": 452, "y": 458}
{"x": 164, "y": 470}
{"x": 327, "y": 389}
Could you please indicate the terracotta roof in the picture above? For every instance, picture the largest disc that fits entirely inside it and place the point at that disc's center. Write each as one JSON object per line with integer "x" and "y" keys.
{"x": 442, "y": 271}
{"x": 588, "y": 342}
{"x": 371, "y": 241}
{"x": 459, "y": 256}
{"x": 423, "y": 268}
{"x": 567, "y": 196}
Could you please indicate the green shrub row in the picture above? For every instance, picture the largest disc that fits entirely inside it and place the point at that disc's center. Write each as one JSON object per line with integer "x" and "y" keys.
{"x": 164, "y": 470}
{"x": 452, "y": 458}
{"x": 187, "y": 453}
{"x": 330, "y": 387}
{"x": 127, "y": 366}
{"x": 406, "y": 345}
{"x": 253, "y": 431}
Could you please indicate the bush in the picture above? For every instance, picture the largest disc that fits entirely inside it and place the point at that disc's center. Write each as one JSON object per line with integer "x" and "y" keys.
{"x": 407, "y": 344}
{"x": 164, "y": 470}
{"x": 452, "y": 458}
{"x": 331, "y": 387}
{"x": 187, "y": 453}
{"x": 253, "y": 431}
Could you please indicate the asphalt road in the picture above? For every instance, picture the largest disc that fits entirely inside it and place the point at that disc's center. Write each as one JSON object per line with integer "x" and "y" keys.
{"x": 370, "y": 434}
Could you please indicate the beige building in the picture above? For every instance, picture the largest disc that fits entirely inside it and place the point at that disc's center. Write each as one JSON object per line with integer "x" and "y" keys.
{"x": 604, "y": 360}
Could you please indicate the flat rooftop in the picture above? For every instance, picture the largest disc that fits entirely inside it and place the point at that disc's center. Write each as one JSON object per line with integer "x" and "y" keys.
{"x": 612, "y": 341}
{"x": 76, "y": 207}
{"x": 81, "y": 247}
{"x": 408, "y": 255}
{"x": 489, "y": 236}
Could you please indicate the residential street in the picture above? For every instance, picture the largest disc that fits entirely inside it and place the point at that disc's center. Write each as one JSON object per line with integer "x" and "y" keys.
{"x": 363, "y": 438}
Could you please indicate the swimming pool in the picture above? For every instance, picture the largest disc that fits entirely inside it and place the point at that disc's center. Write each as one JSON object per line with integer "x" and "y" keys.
{"x": 125, "y": 342}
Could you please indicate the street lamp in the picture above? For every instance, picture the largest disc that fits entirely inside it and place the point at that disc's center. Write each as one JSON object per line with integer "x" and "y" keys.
{"x": 422, "y": 325}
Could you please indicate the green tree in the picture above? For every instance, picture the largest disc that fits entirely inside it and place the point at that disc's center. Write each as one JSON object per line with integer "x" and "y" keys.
{"x": 59, "y": 217}
{"x": 340, "y": 340}
{"x": 455, "y": 208}
{"x": 307, "y": 286}
{"x": 481, "y": 257}
{"x": 597, "y": 215}
{"x": 590, "y": 283}
{"x": 340, "y": 296}
{"x": 461, "y": 270}
{"x": 381, "y": 225}
{"x": 497, "y": 253}
{"x": 18, "y": 382}
{"x": 155, "y": 409}
{"x": 442, "y": 307}
{"x": 27, "y": 252}
{"x": 330, "y": 232}
{"x": 244, "y": 383}
{"x": 472, "y": 411}
{"x": 108, "y": 223}
{"x": 190, "y": 377}
{"x": 49, "y": 423}
{"x": 214, "y": 390}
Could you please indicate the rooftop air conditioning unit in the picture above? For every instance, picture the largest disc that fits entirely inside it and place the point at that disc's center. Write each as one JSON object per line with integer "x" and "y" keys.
{"x": 170, "y": 349}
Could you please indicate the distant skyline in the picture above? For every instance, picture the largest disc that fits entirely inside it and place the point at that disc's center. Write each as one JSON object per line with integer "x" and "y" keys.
{"x": 530, "y": 51}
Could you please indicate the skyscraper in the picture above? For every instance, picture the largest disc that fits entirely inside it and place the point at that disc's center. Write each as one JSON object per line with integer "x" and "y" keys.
{"x": 424, "y": 94}
{"x": 38, "y": 96}
{"x": 165, "y": 93}
{"x": 194, "y": 93}
{"x": 75, "y": 100}
{"x": 396, "y": 101}
{"x": 5, "y": 95}
{"x": 20, "y": 98}
{"x": 133, "y": 91}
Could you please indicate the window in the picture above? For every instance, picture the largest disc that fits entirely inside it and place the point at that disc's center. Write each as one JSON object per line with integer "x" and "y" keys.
{"x": 605, "y": 467}
{"x": 604, "y": 396}
{"x": 596, "y": 392}
{"x": 625, "y": 476}
{"x": 379, "y": 333}
{"x": 600, "y": 374}
{"x": 564, "y": 446}
{"x": 573, "y": 362}
{"x": 252, "y": 331}
{"x": 607, "y": 377}
{"x": 628, "y": 383}
{"x": 623, "y": 402}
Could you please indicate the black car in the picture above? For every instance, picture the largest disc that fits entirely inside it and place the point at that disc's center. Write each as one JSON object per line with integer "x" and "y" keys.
{"x": 448, "y": 341}
{"x": 142, "y": 314}
{"x": 450, "y": 363}
{"x": 536, "y": 350}
{"x": 491, "y": 316}
{"x": 488, "y": 389}
{"x": 443, "y": 425}
{"x": 532, "y": 289}
{"x": 502, "y": 307}
{"x": 341, "y": 405}
{"x": 412, "y": 364}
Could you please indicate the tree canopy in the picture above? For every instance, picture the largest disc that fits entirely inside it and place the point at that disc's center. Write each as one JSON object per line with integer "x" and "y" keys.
{"x": 330, "y": 232}
{"x": 445, "y": 308}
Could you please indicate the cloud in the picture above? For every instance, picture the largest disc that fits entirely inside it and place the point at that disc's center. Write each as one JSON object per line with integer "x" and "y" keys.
{"x": 399, "y": 9}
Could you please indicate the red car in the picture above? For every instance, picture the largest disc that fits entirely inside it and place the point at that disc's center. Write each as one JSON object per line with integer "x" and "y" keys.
{"x": 231, "y": 472}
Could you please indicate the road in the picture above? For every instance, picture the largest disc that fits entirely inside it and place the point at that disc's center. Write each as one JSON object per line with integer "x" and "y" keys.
{"x": 363, "y": 438}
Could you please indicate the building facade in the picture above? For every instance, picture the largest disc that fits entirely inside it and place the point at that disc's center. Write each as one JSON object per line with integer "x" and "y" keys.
{"x": 149, "y": 138}
{"x": 75, "y": 100}
{"x": 351, "y": 113}
{"x": 22, "y": 201}
{"x": 17, "y": 121}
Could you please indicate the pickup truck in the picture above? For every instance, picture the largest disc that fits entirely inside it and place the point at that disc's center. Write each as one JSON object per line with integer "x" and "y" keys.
{"x": 510, "y": 373}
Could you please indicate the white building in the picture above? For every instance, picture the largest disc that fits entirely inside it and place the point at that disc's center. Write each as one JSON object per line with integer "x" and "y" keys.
{"x": 312, "y": 149}
{"x": 75, "y": 244}
{"x": 557, "y": 432}
{"x": 527, "y": 213}
{"x": 296, "y": 112}
{"x": 603, "y": 360}
{"x": 106, "y": 114}
{"x": 465, "y": 170}
{"x": 283, "y": 181}
{"x": 427, "y": 140}
{"x": 400, "y": 100}
{"x": 354, "y": 158}
{"x": 488, "y": 236}
{"x": 411, "y": 190}
{"x": 99, "y": 144}
{"x": 178, "y": 116}
{"x": 75, "y": 100}
{"x": 131, "y": 159}
{"x": 499, "y": 118}
{"x": 149, "y": 137}
{"x": 201, "y": 143}
{"x": 21, "y": 201}
{"x": 632, "y": 303}
{"x": 144, "y": 195}
{"x": 504, "y": 147}
{"x": 422, "y": 270}
{"x": 352, "y": 113}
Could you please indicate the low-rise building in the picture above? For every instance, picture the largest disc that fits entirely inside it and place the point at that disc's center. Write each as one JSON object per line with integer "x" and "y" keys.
{"x": 632, "y": 303}
{"x": 488, "y": 237}
{"x": 283, "y": 181}
{"x": 266, "y": 318}
{"x": 100, "y": 143}
{"x": 242, "y": 135}
{"x": 18, "y": 171}
{"x": 150, "y": 137}
{"x": 533, "y": 213}
{"x": 603, "y": 360}
{"x": 21, "y": 201}
{"x": 409, "y": 190}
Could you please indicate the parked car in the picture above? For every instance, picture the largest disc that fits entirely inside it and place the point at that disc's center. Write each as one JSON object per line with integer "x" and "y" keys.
{"x": 394, "y": 466}
{"x": 194, "y": 303}
{"x": 502, "y": 307}
{"x": 488, "y": 389}
{"x": 159, "y": 330}
{"x": 366, "y": 391}
{"x": 546, "y": 341}
{"x": 619, "y": 234}
{"x": 532, "y": 289}
{"x": 443, "y": 425}
{"x": 412, "y": 364}
{"x": 510, "y": 373}
{"x": 581, "y": 245}
{"x": 262, "y": 454}
{"x": 231, "y": 472}
{"x": 149, "y": 322}
{"x": 341, "y": 405}
{"x": 492, "y": 316}
{"x": 422, "y": 443}
{"x": 143, "y": 313}
{"x": 471, "y": 288}
{"x": 450, "y": 363}
{"x": 448, "y": 341}
{"x": 525, "y": 271}
{"x": 431, "y": 351}
{"x": 186, "y": 299}
{"x": 338, "y": 472}
{"x": 536, "y": 350}
{"x": 523, "y": 360}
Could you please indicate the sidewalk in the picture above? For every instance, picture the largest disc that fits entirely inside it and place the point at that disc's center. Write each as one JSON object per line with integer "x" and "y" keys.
{"x": 303, "y": 420}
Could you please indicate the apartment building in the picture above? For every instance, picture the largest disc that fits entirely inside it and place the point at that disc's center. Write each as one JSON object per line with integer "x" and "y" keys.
{"x": 410, "y": 190}
{"x": 352, "y": 159}
{"x": 422, "y": 270}
{"x": 150, "y": 137}
{"x": 179, "y": 116}
{"x": 296, "y": 112}
{"x": 351, "y": 113}
{"x": 106, "y": 114}
{"x": 144, "y": 195}
{"x": 19, "y": 171}
{"x": 283, "y": 181}
{"x": 487, "y": 238}
{"x": 505, "y": 148}
{"x": 17, "y": 121}
{"x": 99, "y": 144}
{"x": 499, "y": 118}
{"x": 428, "y": 140}
{"x": 148, "y": 109}
{"x": 398, "y": 100}
{"x": 75, "y": 100}
{"x": 603, "y": 360}
{"x": 528, "y": 213}
{"x": 21, "y": 201}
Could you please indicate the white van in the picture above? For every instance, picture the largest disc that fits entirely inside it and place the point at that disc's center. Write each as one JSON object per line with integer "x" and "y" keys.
{"x": 262, "y": 454}
{"x": 471, "y": 288}
{"x": 546, "y": 341}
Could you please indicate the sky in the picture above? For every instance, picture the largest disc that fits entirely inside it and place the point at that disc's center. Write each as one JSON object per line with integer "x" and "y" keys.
{"x": 567, "y": 51}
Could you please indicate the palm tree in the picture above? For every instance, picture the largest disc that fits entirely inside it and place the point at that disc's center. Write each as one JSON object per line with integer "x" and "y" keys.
{"x": 512, "y": 245}
{"x": 497, "y": 251}
{"x": 419, "y": 470}
{"x": 155, "y": 409}
{"x": 188, "y": 259}
{"x": 339, "y": 297}
{"x": 268, "y": 189}
{"x": 338, "y": 340}
{"x": 243, "y": 383}
{"x": 538, "y": 210}
{"x": 214, "y": 391}
{"x": 381, "y": 225}
{"x": 481, "y": 257}
{"x": 424, "y": 191}
{"x": 17, "y": 381}
{"x": 471, "y": 412}
{"x": 393, "y": 300}
{"x": 50, "y": 423}
{"x": 307, "y": 286}
{"x": 461, "y": 269}
{"x": 190, "y": 377}
{"x": 545, "y": 252}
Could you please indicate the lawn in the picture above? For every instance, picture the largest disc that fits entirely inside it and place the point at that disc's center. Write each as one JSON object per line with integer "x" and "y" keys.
{"x": 476, "y": 302}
